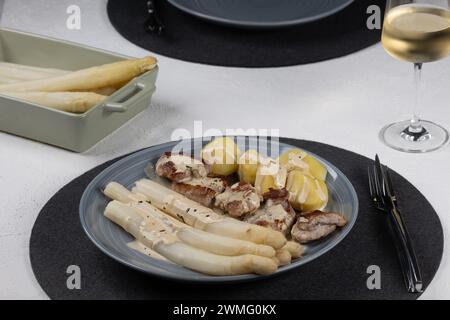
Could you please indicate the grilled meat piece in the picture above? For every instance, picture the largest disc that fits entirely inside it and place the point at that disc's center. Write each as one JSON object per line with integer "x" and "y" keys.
{"x": 179, "y": 167}
{"x": 315, "y": 225}
{"x": 202, "y": 190}
{"x": 239, "y": 200}
{"x": 277, "y": 213}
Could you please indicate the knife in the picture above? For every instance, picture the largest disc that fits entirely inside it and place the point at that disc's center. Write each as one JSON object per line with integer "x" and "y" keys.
{"x": 392, "y": 200}
{"x": 391, "y": 194}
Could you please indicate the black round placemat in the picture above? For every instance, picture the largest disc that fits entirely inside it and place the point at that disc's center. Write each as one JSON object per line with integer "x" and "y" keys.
{"x": 58, "y": 241}
{"x": 191, "y": 39}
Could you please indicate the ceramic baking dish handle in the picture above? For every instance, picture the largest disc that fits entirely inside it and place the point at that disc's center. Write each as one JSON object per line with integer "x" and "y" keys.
{"x": 126, "y": 98}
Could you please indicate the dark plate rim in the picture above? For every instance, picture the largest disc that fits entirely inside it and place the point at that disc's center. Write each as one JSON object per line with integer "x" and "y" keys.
{"x": 206, "y": 278}
{"x": 254, "y": 24}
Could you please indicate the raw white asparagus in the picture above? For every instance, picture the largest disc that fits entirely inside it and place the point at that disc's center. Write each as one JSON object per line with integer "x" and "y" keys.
{"x": 7, "y": 80}
{"x": 196, "y": 238}
{"x": 20, "y": 73}
{"x": 295, "y": 249}
{"x": 200, "y": 217}
{"x": 76, "y": 102}
{"x": 53, "y": 71}
{"x": 108, "y": 75}
{"x": 105, "y": 91}
{"x": 159, "y": 237}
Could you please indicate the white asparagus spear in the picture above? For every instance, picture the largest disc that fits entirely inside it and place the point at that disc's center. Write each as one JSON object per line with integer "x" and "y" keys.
{"x": 159, "y": 237}
{"x": 7, "y": 80}
{"x": 16, "y": 66}
{"x": 105, "y": 91}
{"x": 204, "y": 240}
{"x": 76, "y": 102}
{"x": 108, "y": 75}
{"x": 139, "y": 247}
{"x": 295, "y": 249}
{"x": 19, "y": 73}
{"x": 203, "y": 218}
{"x": 284, "y": 257}
{"x": 196, "y": 238}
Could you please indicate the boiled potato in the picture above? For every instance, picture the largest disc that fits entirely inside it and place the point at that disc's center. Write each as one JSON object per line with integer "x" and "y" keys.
{"x": 306, "y": 192}
{"x": 270, "y": 175}
{"x": 297, "y": 159}
{"x": 222, "y": 155}
{"x": 248, "y": 165}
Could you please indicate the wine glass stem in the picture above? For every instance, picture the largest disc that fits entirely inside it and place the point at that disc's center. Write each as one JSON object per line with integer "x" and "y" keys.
{"x": 416, "y": 125}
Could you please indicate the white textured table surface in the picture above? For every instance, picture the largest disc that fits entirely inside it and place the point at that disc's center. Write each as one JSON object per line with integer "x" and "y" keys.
{"x": 343, "y": 102}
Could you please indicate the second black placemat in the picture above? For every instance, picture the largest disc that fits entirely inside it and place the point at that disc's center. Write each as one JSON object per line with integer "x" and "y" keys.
{"x": 58, "y": 241}
{"x": 191, "y": 39}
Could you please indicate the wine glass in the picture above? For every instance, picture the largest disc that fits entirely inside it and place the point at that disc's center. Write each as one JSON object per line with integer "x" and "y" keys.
{"x": 416, "y": 31}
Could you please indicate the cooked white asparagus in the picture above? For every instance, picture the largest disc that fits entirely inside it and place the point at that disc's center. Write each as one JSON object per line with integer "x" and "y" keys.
{"x": 108, "y": 75}
{"x": 159, "y": 237}
{"x": 116, "y": 191}
{"x": 136, "y": 245}
{"x": 197, "y": 238}
{"x": 199, "y": 217}
{"x": 76, "y": 102}
{"x": 295, "y": 249}
{"x": 284, "y": 257}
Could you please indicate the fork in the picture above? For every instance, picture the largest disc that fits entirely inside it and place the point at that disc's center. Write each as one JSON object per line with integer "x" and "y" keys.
{"x": 381, "y": 201}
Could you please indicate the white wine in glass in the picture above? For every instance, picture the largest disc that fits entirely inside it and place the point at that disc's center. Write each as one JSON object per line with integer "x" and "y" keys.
{"x": 417, "y": 32}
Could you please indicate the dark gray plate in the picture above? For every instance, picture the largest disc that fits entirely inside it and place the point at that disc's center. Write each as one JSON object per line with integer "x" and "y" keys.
{"x": 112, "y": 240}
{"x": 261, "y": 13}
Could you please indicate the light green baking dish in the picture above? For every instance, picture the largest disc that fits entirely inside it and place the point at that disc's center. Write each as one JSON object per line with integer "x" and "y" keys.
{"x": 76, "y": 132}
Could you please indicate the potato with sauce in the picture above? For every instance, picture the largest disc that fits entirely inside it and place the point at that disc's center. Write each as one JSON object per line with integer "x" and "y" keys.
{"x": 296, "y": 159}
{"x": 270, "y": 175}
{"x": 222, "y": 155}
{"x": 248, "y": 165}
{"x": 306, "y": 192}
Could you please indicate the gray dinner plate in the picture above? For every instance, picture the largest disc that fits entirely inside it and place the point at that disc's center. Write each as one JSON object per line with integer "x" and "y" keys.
{"x": 112, "y": 240}
{"x": 261, "y": 13}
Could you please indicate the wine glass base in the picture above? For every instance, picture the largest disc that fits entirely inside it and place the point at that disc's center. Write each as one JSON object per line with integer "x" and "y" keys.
{"x": 396, "y": 136}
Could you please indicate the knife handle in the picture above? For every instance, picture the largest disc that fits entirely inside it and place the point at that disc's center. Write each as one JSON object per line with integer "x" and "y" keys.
{"x": 411, "y": 273}
{"x": 409, "y": 247}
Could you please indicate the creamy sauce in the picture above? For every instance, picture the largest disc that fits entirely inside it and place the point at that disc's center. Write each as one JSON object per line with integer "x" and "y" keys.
{"x": 274, "y": 213}
{"x": 190, "y": 212}
{"x": 156, "y": 232}
{"x": 320, "y": 193}
{"x": 184, "y": 163}
{"x": 249, "y": 198}
{"x": 303, "y": 195}
{"x": 295, "y": 162}
{"x": 270, "y": 168}
{"x": 215, "y": 184}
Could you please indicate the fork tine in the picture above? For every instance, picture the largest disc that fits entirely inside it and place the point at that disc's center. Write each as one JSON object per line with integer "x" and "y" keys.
{"x": 371, "y": 188}
{"x": 378, "y": 187}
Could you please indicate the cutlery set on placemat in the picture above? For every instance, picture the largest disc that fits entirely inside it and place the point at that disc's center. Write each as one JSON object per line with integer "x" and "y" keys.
{"x": 337, "y": 262}
{"x": 384, "y": 199}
